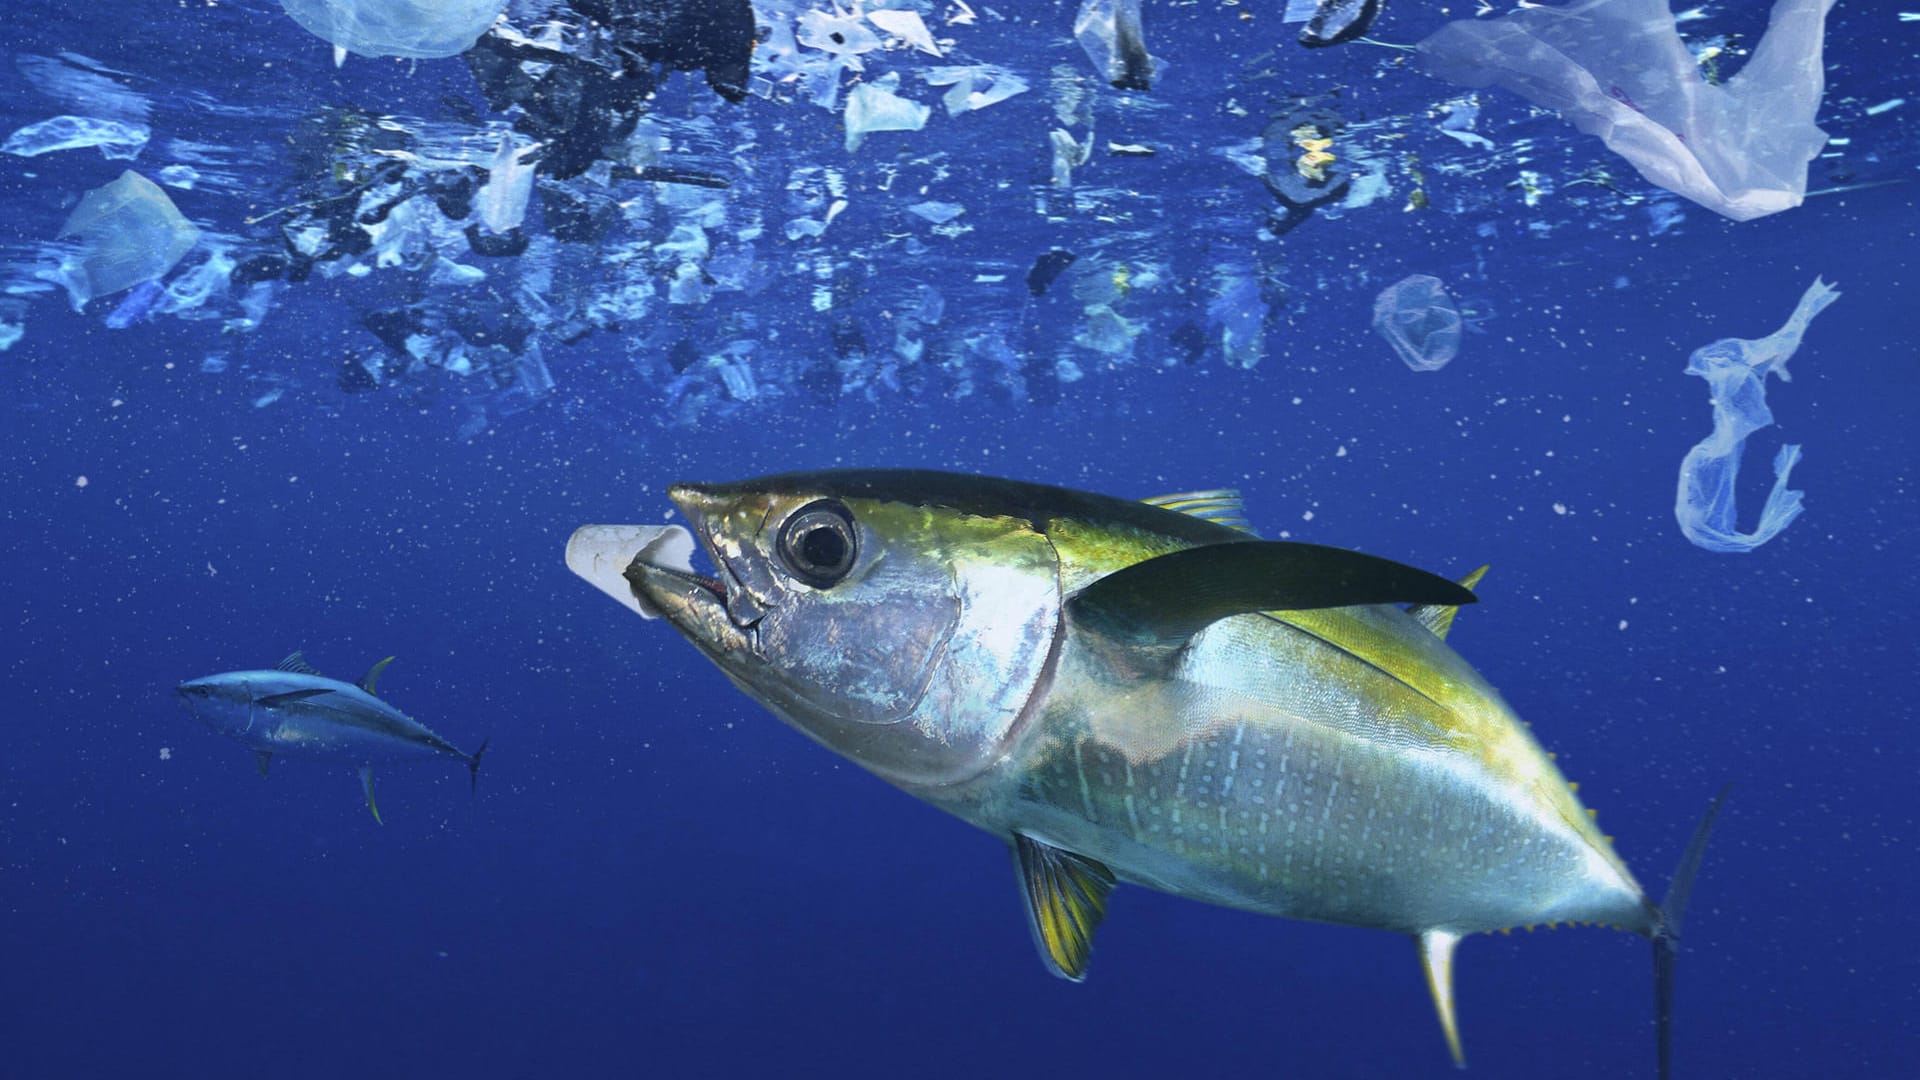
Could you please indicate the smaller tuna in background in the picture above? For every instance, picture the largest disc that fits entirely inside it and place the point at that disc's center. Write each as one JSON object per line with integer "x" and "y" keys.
{"x": 294, "y": 711}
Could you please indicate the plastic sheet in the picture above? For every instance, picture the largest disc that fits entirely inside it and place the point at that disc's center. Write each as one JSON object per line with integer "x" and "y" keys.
{"x": 116, "y": 139}
{"x": 129, "y": 232}
{"x": 1618, "y": 69}
{"x": 873, "y": 106}
{"x": 1737, "y": 371}
{"x": 1109, "y": 31}
{"x": 1420, "y": 321}
{"x": 420, "y": 29}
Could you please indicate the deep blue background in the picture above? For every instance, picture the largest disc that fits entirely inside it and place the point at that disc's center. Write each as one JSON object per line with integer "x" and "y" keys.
{"x": 656, "y": 878}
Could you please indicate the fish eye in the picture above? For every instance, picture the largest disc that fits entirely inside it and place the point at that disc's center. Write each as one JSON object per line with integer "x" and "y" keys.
{"x": 818, "y": 543}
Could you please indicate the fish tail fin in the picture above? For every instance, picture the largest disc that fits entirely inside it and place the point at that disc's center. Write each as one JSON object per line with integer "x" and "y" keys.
{"x": 473, "y": 765}
{"x": 1666, "y": 930}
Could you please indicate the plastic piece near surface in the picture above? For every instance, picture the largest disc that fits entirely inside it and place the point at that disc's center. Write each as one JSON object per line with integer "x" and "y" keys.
{"x": 417, "y": 29}
{"x": 1109, "y": 32}
{"x": 1737, "y": 370}
{"x": 600, "y": 555}
{"x": 1419, "y": 320}
{"x": 129, "y": 232}
{"x": 1618, "y": 69}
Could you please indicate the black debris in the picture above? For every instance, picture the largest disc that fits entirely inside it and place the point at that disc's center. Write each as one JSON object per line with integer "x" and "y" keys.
{"x": 1046, "y": 268}
{"x": 1336, "y": 22}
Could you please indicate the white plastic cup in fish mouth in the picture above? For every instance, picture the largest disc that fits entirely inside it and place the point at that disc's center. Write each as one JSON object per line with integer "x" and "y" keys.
{"x": 600, "y": 554}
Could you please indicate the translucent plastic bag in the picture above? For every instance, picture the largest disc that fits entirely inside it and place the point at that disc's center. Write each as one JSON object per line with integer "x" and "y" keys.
{"x": 129, "y": 232}
{"x": 1618, "y": 69}
{"x": 1737, "y": 370}
{"x": 1420, "y": 321}
{"x": 422, "y": 29}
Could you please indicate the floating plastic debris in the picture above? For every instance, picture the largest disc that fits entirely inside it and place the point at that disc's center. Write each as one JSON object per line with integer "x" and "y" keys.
{"x": 1618, "y": 69}
{"x": 1420, "y": 321}
{"x": 129, "y": 232}
{"x": 1336, "y": 22}
{"x": 874, "y": 106}
{"x": 974, "y": 87}
{"x": 1109, "y": 31}
{"x": 419, "y": 29}
{"x": 908, "y": 27}
{"x": 1736, "y": 369}
{"x": 115, "y": 139}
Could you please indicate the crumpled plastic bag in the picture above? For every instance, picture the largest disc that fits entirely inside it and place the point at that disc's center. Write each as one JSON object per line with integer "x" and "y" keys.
{"x": 1420, "y": 321}
{"x": 420, "y": 29}
{"x": 1618, "y": 69}
{"x": 1737, "y": 370}
{"x": 129, "y": 232}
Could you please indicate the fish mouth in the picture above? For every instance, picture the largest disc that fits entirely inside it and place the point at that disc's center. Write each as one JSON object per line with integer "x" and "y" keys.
{"x": 660, "y": 580}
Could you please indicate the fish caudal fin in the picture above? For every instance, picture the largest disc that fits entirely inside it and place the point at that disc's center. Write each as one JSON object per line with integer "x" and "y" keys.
{"x": 366, "y": 782}
{"x": 1666, "y": 933}
{"x": 1436, "y": 958}
{"x": 473, "y": 766}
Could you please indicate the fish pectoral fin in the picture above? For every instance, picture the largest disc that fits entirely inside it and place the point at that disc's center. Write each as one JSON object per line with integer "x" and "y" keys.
{"x": 296, "y": 662}
{"x": 273, "y": 701}
{"x": 1066, "y": 898}
{"x": 1439, "y": 617}
{"x": 262, "y": 759}
{"x": 1164, "y": 601}
{"x": 373, "y": 675}
{"x": 366, "y": 782}
{"x": 1436, "y": 957}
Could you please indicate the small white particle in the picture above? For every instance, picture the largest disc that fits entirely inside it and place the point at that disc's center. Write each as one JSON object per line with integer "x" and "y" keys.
{"x": 1560, "y": 508}
{"x": 1308, "y": 516}
{"x": 1342, "y": 452}
{"x": 80, "y": 481}
{"x": 1623, "y": 624}
{"x": 166, "y": 753}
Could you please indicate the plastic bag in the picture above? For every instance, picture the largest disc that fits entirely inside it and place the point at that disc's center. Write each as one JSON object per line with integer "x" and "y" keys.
{"x": 422, "y": 29}
{"x": 1420, "y": 321}
{"x": 1737, "y": 370}
{"x": 129, "y": 232}
{"x": 1618, "y": 69}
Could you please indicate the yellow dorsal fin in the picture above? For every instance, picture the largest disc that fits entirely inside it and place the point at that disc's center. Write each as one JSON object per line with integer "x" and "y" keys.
{"x": 1221, "y": 506}
{"x": 373, "y": 675}
{"x": 1436, "y": 956}
{"x": 1439, "y": 618}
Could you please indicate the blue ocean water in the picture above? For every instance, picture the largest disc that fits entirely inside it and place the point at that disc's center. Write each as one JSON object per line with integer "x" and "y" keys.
{"x": 655, "y": 876}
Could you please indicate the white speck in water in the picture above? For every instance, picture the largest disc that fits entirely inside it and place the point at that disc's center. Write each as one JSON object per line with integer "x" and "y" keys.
{"x": 1560, "y": 508}
{"x": 166, "y": 753}
{"x": 80, "y": 481}
{"x": 1623, "y": 624}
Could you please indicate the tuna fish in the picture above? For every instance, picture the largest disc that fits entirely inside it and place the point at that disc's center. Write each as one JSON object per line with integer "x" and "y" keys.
{"x": 294, "y": 711}
{"x": 1145, "y": 692}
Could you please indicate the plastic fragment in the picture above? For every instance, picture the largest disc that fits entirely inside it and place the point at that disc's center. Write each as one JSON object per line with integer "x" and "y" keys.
{"x": 129, "y": 232}
{"x": 1335, "y": 22}
{"x": 974, "y": 87}
{"x": 1419, "y": 320}
{"x": 908, "y": 27}
{"x": 1619, "y": 70}
{"x": 1109, "y": 32}
{"x": 116, "y": 139}
{"x": 1736, "y": 369}
{"x": 419, "y": 29}
{"x": 873, "y": 106}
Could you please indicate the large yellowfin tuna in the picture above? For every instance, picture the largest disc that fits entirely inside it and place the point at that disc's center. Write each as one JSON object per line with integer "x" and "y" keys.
{"x": 1143, "y": 692}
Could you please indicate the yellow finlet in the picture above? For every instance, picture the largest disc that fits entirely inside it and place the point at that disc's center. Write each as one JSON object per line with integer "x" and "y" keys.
{"x": 1436, "y": 957}
{"x": 1439, "y": 618}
